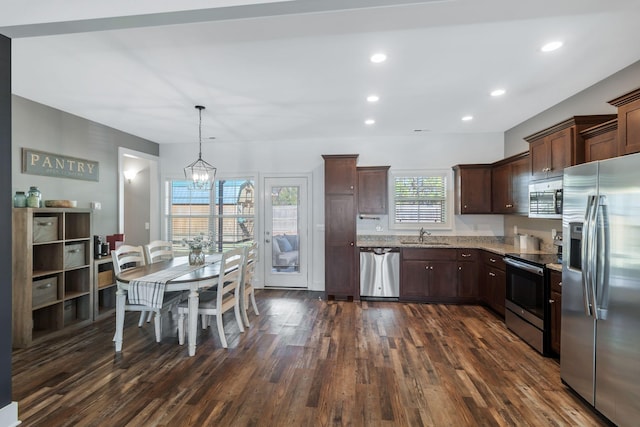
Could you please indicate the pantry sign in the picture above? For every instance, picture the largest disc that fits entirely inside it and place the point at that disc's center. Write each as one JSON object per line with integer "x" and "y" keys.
{"x": 36, "y": 162}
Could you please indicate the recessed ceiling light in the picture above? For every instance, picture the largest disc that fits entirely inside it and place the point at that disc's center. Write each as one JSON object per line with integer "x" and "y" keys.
{"x": 551, "y": 46}
{"x": 378, "y": 57}
{"x": 369, "y": 122}
{"x": 373, "y": 98}
{"x": 498, "y": 92}
{"x": 467, "y": 118}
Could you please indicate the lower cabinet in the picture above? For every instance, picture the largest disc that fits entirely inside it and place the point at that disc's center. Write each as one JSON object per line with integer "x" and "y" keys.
{"x": 439, "y": 275}
{"x": 493, "y": 281}
{"x": 555, "y": 310}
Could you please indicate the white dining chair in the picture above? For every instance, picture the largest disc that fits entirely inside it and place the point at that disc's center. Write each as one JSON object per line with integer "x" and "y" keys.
{"x": 127, "y": 256}
{"x": 248, "y": 290}
{"x": 158, "y": 250}
{"x": 215, "y": 302}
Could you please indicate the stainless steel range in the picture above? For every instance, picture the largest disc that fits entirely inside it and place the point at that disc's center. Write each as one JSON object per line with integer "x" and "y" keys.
{"x": 527, "y": 291}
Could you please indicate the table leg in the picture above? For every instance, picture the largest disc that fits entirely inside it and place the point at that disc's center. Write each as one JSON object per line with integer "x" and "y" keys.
{"x": 121, "y": 297}
{"x": 193, "y": 319}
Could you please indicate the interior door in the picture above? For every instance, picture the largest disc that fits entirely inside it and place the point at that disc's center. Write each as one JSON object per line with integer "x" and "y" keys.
{"x": 286, "y": 232}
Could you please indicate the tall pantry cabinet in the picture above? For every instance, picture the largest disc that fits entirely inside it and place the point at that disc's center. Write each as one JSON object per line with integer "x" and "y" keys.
{"x": 52, "y": 273}
{"x": 340, "y": 210}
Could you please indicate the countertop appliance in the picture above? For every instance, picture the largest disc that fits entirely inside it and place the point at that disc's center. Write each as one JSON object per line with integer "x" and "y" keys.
{"x": 379, "y": 272}
{"x": 601, "y": 286}
{"x": 527, "y": 290}
{"x": 545, "y": 199}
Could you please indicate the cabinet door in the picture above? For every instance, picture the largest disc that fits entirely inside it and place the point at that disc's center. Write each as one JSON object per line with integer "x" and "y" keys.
{"x": 340, "y": 251}
{"x": 539, "y": 155}
{"x": 340, "y": 174}
{"x": 372, "y": 190}
{"x": 519, "y": 176}
{"x": 561, "y": 152}
{"x": 555, "y": 326}
{"x": 601, "y": 147}
{"x": 500, "y": 183}
{"x": 629, "y": 128}
{"x": 442, "y": 279}
{"x": 474, "y": 190}
{"x": 468, "y": 286}
{"x": 498, "y": 289}
{"x": 413, "y": 284}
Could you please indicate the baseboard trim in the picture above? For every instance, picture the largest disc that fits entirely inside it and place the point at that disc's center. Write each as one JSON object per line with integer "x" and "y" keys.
{"x": 9, "y": 415}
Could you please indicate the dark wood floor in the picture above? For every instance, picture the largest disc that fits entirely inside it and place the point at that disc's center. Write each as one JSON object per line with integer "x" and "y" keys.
{"x": 304, "y": 361}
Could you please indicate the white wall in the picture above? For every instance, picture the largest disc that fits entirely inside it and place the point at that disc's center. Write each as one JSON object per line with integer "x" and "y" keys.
{"x": 263, "y": 158}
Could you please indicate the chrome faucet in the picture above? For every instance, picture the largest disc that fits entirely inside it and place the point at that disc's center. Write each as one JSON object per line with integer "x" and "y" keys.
{"x": 422, "y": 234}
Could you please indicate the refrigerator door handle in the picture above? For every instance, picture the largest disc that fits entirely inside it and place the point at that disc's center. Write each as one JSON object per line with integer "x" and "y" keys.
{"x": 586, "y": 257}
{"x": 594, "y": 256}
{"x": 601, "y": 285}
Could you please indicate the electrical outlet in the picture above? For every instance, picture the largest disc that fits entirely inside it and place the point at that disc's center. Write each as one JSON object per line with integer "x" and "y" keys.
{"x": 96, "y": 206}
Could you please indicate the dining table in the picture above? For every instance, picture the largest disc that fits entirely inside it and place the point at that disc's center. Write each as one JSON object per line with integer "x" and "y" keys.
{"x": 191, "y": 279}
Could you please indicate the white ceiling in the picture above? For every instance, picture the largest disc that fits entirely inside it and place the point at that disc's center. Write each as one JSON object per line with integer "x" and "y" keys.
{"x": 275, "y": 70}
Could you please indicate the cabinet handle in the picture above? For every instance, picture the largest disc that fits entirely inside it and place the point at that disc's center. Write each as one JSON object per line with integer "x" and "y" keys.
{"x": 44, "y": 224}
{"x": 492, "y": 274}
{"x": 460, "y": 268}
{"x": 559, "y": 283}
{"x": 492, "y": 260}
{"x": 73, "y": 251}
{"x": 351, "y": 244}
{"x": 48, "y": 285}
{"x": 466, "y": 255}
{"x": 431, "y": 268}
{"x": 465, "y": 206}
{"x": 551, "y": 301}
{"x": 351, "y": 187}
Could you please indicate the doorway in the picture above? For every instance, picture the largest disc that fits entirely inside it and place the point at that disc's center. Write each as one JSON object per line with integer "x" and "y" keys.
{"x": 286, "y": 240}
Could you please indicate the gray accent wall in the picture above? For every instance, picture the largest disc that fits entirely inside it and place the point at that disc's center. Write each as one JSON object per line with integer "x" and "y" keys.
{"x": 44, "y": 128}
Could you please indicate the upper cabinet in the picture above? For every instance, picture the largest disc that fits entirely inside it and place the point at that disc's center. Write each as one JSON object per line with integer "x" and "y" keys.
{"x": 510, "y": 185}
{"x": 628, "y": 122}
{"x": 473, "y": 189}
{"x": 601, "y": 141}
{"x": 340, "y": 175}
{"x": 560, "y": 146}
{"x": 373, "y": 190}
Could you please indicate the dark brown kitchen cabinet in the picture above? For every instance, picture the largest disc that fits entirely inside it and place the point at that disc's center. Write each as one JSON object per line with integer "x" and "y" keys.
{"x": 555, "y": 305}
{"x": 628, "y": 122}
{"x": 493, "y": 281}
{"x": 373, "y": 190}
{"x": 428, "y": 275}
{"x": 510, "y": 185}
{"x": 559, "y": 146}
{"x": 467, "y": 275}
{"x": 341, "y": 260}
{"x": 601, "y": 141}
{"x": 473, "y": 189}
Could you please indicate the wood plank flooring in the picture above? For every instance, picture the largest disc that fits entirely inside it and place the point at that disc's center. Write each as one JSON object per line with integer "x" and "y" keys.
{"x": 303, "y": 362}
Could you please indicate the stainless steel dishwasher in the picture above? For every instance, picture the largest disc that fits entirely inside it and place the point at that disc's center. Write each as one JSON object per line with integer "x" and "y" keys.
{"x": 379, "y": 272}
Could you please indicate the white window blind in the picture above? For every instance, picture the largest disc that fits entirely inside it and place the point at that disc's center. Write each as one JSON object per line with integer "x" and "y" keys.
{"x": 420, "y": 199}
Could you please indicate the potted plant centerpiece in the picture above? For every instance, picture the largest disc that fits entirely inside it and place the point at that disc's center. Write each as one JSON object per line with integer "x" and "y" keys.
{"x": 197, "y": 247}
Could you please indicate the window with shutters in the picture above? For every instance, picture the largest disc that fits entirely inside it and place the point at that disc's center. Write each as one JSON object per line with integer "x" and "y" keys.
{"x": 225, "y": 213}
{"x": 420, "y": 199}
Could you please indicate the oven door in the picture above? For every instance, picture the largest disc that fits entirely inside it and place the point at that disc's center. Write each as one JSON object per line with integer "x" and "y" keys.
{"x": 525, "y": 289}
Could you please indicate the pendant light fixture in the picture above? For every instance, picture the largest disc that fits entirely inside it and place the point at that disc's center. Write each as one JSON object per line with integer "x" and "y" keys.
{"x": 200, "y": 173}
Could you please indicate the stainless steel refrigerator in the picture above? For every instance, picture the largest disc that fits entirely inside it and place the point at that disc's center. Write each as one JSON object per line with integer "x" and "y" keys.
{"x": 600, "y": 348}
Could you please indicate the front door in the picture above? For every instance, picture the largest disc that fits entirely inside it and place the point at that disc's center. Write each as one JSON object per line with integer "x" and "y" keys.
{"x": 286, "y": 240}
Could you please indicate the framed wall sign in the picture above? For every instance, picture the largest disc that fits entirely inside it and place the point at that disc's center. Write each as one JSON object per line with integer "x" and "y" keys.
{"x": 37, "y": 162}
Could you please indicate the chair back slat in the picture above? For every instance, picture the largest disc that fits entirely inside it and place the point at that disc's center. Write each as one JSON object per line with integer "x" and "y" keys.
{"x": 127, "y": 256}
{"x": 158, "y": 250}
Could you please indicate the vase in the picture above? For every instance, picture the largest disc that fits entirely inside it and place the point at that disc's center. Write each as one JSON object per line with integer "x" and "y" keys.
{"x": 196, "y": 256}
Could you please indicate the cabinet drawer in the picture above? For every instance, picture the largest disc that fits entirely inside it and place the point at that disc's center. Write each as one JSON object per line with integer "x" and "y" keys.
{"x": 74, "y": 255}
{"x": 44, "y": 291}
{"x": 429, "y": 254}
{"x": 45, "y": 229}
{"x": 467, "y": 254}
{"x": 493, "y": 259}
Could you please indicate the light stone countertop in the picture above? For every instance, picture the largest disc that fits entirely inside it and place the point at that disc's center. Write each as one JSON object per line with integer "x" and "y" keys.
{"x": 493, "y": 244}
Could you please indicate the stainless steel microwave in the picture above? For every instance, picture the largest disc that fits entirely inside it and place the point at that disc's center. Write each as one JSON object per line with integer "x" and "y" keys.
{"x": 545, "y": 199}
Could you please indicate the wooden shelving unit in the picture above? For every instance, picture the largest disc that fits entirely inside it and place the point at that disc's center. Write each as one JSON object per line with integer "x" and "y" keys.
{"x": 52, "y": 272}
{"x": 104, "y": 288}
